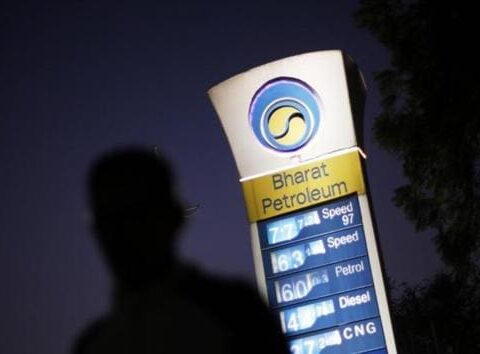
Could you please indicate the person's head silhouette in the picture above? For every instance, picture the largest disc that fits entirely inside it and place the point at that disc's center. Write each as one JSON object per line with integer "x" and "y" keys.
{"x": 136, "y": 214}
{"x": 158, "y": 302}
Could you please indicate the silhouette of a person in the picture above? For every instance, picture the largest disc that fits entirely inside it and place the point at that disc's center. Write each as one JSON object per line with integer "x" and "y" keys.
{"x": 160, "y": 304}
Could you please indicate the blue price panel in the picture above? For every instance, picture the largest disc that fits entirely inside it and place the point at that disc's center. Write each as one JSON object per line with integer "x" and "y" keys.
{"x": 313, "y": 284}
{"x": 316, "y": 252}
{"x": 355, "y": 337}
{"x": 328, "y": 312}
{"x": 315, "y": 221}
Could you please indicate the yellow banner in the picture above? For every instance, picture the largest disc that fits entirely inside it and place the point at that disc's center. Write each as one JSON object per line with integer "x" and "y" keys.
{"x": 302, "y": 186}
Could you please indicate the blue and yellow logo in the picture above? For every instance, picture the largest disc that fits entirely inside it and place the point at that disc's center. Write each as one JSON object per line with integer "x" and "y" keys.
{"x": 285, "y": 114}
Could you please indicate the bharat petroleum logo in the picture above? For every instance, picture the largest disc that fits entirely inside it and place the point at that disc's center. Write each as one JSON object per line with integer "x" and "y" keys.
{"x": 284, "y": 114}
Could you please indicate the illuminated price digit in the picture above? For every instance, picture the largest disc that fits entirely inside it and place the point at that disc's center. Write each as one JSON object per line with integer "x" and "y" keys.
{"x": 287, "y": 292}
{"x": 273, "y": 231}
{"x": 298, "y": 258}
{"x": 283, "y": 263}
{"x": 292, "y": 323}
{"x": 290, "y": 231}
{"x": 310, "y": 345}
{"x": 300, "y": 223}
{"x": 296, "y": 349}
{"x": 301, "y": 289}
{"x": 312, "y": 219}
{"x": 322, "y": 341}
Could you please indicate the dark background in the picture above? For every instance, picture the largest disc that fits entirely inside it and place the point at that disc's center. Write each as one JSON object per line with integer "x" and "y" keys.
{"x": 80, "y": 77}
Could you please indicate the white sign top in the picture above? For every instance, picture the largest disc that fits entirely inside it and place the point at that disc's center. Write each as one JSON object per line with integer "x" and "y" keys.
{"x": 313, "y": 117}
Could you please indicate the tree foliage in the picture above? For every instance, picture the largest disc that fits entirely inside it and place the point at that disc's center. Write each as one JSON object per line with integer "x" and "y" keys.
{"x": 439, "y": 316}
{"x": 430, "y": 117}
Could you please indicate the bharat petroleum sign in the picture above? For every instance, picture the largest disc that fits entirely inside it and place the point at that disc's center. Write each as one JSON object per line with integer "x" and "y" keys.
{"x": 285, "y": 114}
{"x": 292, "y": 125}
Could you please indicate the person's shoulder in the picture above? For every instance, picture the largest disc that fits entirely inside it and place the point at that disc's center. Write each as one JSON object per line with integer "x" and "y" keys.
{"x": 244, "y": 312}
{"x": 241, "y": 309}
{"x": 89, "y": 335}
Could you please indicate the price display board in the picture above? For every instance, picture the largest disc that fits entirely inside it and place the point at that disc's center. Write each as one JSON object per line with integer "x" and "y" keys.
{"x": 316, "y": 246}
{"x": 319, "y": 280}
{"x": 294, "y": 126}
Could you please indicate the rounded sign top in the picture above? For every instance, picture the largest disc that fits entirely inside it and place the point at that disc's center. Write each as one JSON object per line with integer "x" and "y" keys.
{"x": 285, "y": 114}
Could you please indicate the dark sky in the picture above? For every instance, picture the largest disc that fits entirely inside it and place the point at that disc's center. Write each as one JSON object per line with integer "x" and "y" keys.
{"x": 80, "y": 77}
